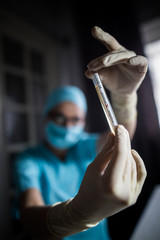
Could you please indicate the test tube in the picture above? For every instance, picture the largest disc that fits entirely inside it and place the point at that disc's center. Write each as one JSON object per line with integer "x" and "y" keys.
{"x": 107, "y": 108}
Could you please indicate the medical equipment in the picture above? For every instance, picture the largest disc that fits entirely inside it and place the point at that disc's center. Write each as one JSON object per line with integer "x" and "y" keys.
{"x": 107, "y": 108}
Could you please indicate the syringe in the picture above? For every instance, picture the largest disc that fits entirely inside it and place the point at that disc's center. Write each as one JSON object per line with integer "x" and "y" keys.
{"x": 107, "y": 108}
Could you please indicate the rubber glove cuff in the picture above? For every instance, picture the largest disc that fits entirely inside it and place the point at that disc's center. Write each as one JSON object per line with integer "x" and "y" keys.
{"x": 125, "y": 107}
{"x": 64, "y": 219}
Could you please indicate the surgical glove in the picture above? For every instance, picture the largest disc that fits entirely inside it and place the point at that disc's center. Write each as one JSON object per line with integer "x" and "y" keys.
{"x": 112, "y": 182}
{"x": 121, "y": 71}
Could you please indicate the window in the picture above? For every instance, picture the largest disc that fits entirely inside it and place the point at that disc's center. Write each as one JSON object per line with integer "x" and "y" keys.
{"x": 24, "y": 90}
{"x": 15, "y": 89}
{"x": 27, "y": 69}
{"x": 152, "y": 51}
{"x": 37, "y": 62}
{"x": 150, "y": 32}
{"x": 16, "y": 127}
{"x": 12, "y": 52}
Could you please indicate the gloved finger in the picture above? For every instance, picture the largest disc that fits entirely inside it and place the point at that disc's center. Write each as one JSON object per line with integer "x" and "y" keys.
{"x": 133, "y": 175}
{"x": 109, "y": 41}
{"x": 110, "y": 59}
{"x": 117, "y": 164}
{"x": 140, "y": 61}
{"x": 126, "y": 175}
{"x": 141, "y": 170}
{"x": 128, "y": 166}
{"x": 103, "y": 158}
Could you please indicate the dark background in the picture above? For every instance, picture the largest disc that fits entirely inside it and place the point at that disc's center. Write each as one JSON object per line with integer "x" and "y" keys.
{"x": 122, "y": 20}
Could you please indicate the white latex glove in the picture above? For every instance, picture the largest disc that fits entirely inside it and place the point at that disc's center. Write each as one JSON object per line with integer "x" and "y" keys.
{"x": 121, "y": 70}
{"x": 113, "y": 181}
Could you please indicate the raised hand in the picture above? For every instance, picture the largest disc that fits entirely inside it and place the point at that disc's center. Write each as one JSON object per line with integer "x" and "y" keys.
{"x": 121, "y": 70}
{"x": 113, "y": 181}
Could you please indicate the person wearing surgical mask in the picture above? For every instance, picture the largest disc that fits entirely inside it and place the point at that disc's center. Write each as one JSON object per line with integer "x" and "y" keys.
{"x": 70, "y": 183}
{"x": 66, "y": 113}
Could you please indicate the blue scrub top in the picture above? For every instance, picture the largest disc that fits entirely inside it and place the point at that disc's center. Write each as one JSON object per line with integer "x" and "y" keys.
{"x": 58, "y": 180}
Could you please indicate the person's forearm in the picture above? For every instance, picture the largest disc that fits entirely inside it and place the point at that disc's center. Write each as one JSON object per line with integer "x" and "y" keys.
{"x": 65, "y": 219}
{"x": 102, "y": 192}
{"x": 54, "y": 222}
{"x": 125, "y": 109}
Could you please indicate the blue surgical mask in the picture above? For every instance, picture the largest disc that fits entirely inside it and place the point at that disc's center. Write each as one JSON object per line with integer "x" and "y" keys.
{"x": 63, "y": 137}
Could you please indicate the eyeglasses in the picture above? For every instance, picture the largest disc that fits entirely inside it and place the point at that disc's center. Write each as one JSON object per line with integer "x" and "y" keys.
{"x": 60, "y": 119}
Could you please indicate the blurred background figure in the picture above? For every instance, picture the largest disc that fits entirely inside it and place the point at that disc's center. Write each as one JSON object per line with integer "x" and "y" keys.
{"x": 44, "y": 45}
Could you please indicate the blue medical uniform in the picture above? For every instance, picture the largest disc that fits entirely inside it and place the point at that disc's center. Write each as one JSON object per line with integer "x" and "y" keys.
{"x": 59, "y": 180}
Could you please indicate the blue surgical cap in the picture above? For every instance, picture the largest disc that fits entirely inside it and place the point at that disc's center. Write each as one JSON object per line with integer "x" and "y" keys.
{"x": 65, "y": 93}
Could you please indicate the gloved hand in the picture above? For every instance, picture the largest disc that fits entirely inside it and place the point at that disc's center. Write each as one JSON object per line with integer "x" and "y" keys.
{"x": 113, "y": 181}
{"x": 121, "y": 70}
